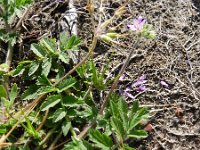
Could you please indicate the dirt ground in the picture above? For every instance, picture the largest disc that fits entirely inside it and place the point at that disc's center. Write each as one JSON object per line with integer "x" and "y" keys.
{"x": 173, "y": 57}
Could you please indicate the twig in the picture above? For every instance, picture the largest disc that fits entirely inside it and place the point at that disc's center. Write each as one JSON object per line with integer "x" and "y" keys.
{"x": 21, "y": 19}
{"x": 117, "y": 79}
{"x": 54, "y": 142}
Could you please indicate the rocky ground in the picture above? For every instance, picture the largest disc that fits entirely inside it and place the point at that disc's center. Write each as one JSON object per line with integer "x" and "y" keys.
{"x": 173, "y": 57}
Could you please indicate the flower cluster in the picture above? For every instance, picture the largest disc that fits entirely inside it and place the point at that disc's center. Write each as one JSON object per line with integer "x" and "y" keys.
{"x": 139, "y": 85}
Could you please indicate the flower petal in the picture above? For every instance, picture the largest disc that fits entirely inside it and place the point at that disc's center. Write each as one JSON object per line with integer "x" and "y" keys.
{"x": 141, "y": 88}
{"x": 164, "y": 84}
{"x": 132, "y": 27}
{"x": 127, "y": 94}
{"x": 122, "y": 77}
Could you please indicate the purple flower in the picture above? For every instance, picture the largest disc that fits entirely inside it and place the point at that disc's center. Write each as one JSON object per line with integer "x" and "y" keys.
{"x": 126, "y": 93}
{"x": 137, "y": 24}
{"x": 140, "y": 84}
{"x": 140, "y": 81}
{"x": 164, "y": 84}
{"x": 122, "y": 77}
{"x": 141, "y": 88}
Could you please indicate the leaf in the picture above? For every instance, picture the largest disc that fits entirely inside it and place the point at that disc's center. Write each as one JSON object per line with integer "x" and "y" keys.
{"x": 101, "y": 140}
{"x": 30, "y": 93}
{"x": 137, "y": 117}
{"x": 46, "y": 89}
{"x": 82, "y": 70}
{"x": 3, "y": 68}
{"x": 135, "y": 106}
{"x": 64, "y": 57}
{"x": 50, "y": 44}
{"x": 33, "y": 67}
{"x": 3, "y": 92}
{"x": 118, "y": 127}
{"x": 13, "y": 94}
{"x": 30, "y": 129}
{"x": 38, "y": 50}
{"x": 71, "y": 101}
{"x": 21, "y": 68}
{"x": 46, "y": 66}
{"x": 43, "y": 80}
{"x": 50, "y": 102}
{"x": 65, "y": 127}
{"x": 97, "y": 78}
{"x": 78, "y": 145}
{"x": 5, "y": 102}
{"x": 59, "y": 114}
{"x": 123, "y": 107}
{"x": 138, "y": 134}
{"x": 126, "y": 147}
{"x": 114, "y": 109}
{"x": 21, "y": 3}
{"x": 63, "y": 40}
{"x": 66, "y": 84}
{"x": 123, "y": 111}
{"x": 73, "y": 41}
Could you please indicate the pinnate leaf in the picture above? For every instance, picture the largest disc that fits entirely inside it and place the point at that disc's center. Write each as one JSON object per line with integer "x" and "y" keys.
{"x": 3, "y": 92}
{"x": 64, "y": 57}
{"x": 66, "y": 84}
{"x": 50, "y": 102}
{"x": 137, "y": 117}
{"x": 46, "y": 89}
{"x": 33, "y": 67}
{"x": 101, "y": 140}
{"x": 30, "y": 93}
{"x": 13, "y": 93}
{"x": 46, "y": 66}
{"x": 118, "y": 127}
{"x": 65, "y": 127}
{"x": 38, "y": 50}
{"x": 59, "y": 114}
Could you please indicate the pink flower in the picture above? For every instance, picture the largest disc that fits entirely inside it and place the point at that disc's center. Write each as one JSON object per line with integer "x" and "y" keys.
{"x": 137, "y": 24}
{"x": 164, "y": 84}
{"x": 140, "y": 84}
{"x": 122, "y": 77}
{"x": 140, "y": 81}
{"x": 126, "y": 93}
{"x": 141, "y": 88}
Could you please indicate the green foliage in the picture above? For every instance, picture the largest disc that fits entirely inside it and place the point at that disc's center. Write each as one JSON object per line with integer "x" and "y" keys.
{"x": 101, "y": 140}
{"x": 65, "y": 127}
{"x": 47, "y": 57}
{"x": 51, "y": 101}
{"x": 68, "y": 103}
{"x": 119, "y": 121}
{"x": 9, "y": 10}
{"x": 8, "y": 99}
{"x": 3, "y": 92}
{"x": 93, "y": 76}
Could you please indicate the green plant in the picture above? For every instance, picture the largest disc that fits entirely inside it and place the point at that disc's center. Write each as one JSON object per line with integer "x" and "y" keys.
{"x": 9, "y": 9}
{"x": 63, "y": 105}
{"x": 68, "y": 103}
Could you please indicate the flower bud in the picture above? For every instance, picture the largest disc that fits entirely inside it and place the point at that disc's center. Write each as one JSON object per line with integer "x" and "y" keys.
{"x": 106, "y": 38}
{"x": 113, "y": 35}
